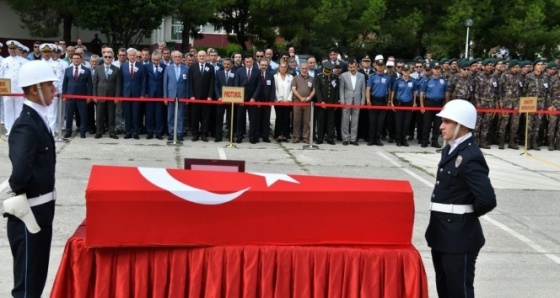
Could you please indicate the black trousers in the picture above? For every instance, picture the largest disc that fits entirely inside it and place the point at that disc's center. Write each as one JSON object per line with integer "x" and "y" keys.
{"x": 431, "y": 122}
{"x": 263, "y": 122}
{"x": 76, "y": 107}
{"x": 31, "y": 251}
{"x": 454, "y": 274}
{"x": 402, "y": 121}
{"x": 131, "y": 111}
{"x": 376, "y": 121}
{"x": 91, "y": 117}
{"x": 283, "y": 121}
{"x": 199, "y": 115}
{"x": 325, "y": 120}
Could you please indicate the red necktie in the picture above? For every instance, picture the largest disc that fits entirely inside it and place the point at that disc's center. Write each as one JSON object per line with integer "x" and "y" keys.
{"x": 131, "y": 70}
{"x": 76, "y": 74}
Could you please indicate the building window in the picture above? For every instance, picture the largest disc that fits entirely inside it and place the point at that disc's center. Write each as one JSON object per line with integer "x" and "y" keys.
{"x": 176, "y": 29}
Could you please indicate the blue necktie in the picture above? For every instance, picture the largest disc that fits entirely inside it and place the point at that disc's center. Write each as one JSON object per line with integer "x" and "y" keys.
{"x": 177, "y": 71}
{"x": 106, "y": 72}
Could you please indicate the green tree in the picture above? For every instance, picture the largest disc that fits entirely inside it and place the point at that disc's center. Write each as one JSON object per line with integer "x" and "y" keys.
{"x": 193, "y": 14}
{"x": 42, "y": 18}
{"x": 234, "y": 16}
{"x": 125, "y": 22}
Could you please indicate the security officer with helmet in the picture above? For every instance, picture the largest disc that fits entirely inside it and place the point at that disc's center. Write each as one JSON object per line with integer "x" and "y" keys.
{"x": 462, "y": 193}
{"x": 30, "y": 212}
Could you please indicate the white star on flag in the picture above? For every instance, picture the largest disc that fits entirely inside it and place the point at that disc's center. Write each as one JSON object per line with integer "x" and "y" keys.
{"x": 272, "y": 178}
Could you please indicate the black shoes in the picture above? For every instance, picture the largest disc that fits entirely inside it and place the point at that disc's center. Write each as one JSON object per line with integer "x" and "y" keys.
{"x": 355, "y": 143}
{"x": 330, "y": 142}
{"x": 266, "y": 140}
{"x": 238, "y": 141}
{"x": 217, "y": 140}
{"x": 159, "y": 137}
{"x": 127, "y": 136}
{"x": 113, "y": 136}
{"x": 195, "y": 138}
{"x": 435, "y": 144}
{"x": 136, "y": 137}
{"x": 378, "y": 143}
{"x": 320, "y": 141}
{"x": 345, "y": 143}
{"x": 98, "y": 136}
{"x": 82, "y": 135}
{"x": 149, "y": 137}
{"x": 204, "y": 139}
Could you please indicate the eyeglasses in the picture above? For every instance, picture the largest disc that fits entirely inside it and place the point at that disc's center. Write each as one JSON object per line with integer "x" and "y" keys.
{"x": 62, "y": 43}
{"x": 399, "y": 67}
{"x": 107, "y": 57}
{"x": 418, "y": 66}
{"x": 35, "y": 47}
{"x": 259, "y": 56}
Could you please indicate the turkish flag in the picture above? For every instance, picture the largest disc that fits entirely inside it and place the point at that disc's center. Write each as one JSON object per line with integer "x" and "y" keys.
{"x": 129, "y": 206}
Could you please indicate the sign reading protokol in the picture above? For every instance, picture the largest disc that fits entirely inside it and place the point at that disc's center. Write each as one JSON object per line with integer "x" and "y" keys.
{"x": 5, "y": 87}
{"x": 233, "y": 94}
{"x": 527, "y": 104}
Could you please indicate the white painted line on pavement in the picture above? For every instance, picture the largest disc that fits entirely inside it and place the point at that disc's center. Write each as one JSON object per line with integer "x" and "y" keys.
{"x": 411, "y": 173}
{"x": 222, "y": 153}
{"x": 523, "y": 239}
{"x": 4, "y": 185}
{"x": 498, "y": 224}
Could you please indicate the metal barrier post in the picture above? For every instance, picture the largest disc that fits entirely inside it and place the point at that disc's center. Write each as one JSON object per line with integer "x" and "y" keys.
{"x": 175, "y": 141}
{"x": 311, "y": 133}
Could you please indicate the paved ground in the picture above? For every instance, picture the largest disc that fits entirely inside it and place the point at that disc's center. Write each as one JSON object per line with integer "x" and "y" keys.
{"x": 522, "y": 254}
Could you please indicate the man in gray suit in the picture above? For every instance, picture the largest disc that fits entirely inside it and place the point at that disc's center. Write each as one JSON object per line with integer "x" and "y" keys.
{"x": 106, "y": 82}
{"x": 352, "y": 92}
{"x": 176, "y": 84}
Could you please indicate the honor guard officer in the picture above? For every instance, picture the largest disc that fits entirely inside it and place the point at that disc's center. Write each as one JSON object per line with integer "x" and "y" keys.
{"x": 433, "y": 93}
{"x": 32, "y": 153}
{"x": 462, "y": 193}
{"x": 9, "y": 69}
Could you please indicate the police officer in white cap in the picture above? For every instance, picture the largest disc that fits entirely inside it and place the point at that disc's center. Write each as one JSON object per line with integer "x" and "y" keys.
{"x": 32, "y": 154}
{"x": 9, "y": 69}
{"x": 461, "y": 195}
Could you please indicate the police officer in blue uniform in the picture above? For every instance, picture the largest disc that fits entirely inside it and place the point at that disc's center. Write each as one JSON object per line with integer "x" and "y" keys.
{"x": 377, "y": 93}
{"x": 33, "y": 157}
{"x": 403, "y": 95}
{"x": 462, "y": 193}
{"x": 434, "y": 93}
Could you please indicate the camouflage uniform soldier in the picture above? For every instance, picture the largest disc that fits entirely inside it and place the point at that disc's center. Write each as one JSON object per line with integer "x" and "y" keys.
{"x": 535, "y": 85}
{"x": 553, "y": 104}
{"x": 486, "y": 90}
{"x": 509, "y": 88}
{"x": 461, "y": 86}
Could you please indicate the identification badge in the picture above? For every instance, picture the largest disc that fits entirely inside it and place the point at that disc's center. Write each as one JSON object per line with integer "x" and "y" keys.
{"x": 383, "y": 80}
{"x": 206, "y": 68}
{"x": 216, "y": 67}
{"x": 135, "y": 69}
{"x": 81, "y": 71}
{"x": 410, "y": 84}
{"x": 458, "y": 161}
{"x": 441, "y": 81}
{"x": 333, "y": 83}
{"x": 159, "y": 69}
{"x": 110, "y": 71}
{"x": 231, "y": 75}
{"x": 268, "y": 82}
{"x": 309, "y": 84}
{"x": 494, "y": 84}
{"x": 184, "y": 76}
{"x": 545, "y": 85}
{"x": 521, "y": 84}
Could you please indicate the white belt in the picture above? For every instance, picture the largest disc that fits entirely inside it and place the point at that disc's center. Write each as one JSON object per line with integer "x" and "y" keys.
{"x": 450, "y": 208}
{"x": 42, "y": 199}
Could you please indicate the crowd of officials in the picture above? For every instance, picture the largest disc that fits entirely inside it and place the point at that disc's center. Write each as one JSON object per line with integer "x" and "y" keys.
{"x": 382, "y": 84}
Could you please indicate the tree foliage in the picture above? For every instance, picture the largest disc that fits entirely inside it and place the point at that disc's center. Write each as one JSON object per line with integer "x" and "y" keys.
{"x": 124, "y": 22}
{"x": 398, "y": 27}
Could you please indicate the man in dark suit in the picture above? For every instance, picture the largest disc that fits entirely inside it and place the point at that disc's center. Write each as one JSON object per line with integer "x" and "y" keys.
{"x": 225, "y": 77}
{"x": 132, "y": 73}
{"x": 202, "y": 87}
{"x": 267, "y": 93}
{"x": 33, "y": 157}
{"x": 107, "y": 81}
{"x": 462, "y": 194}
{"x": 176, "y": 84}
{"x": 153, "y": 88}
{"x": 77, "y": 81}
{"x": 248, "y": 78}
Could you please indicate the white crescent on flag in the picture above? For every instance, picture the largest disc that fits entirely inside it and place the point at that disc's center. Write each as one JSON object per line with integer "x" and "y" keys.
{"x": 161, "y": 178}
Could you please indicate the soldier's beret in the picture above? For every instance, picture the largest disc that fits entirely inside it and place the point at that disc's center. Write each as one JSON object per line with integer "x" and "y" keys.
{"x": 537, "y": 61}
{"x": 443, "y": 61}
{"x": 487, "y": 61}
{"x": 551, "y": 65}
{"x": 513, "y": 63}
{"x": 464, "y": 64}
